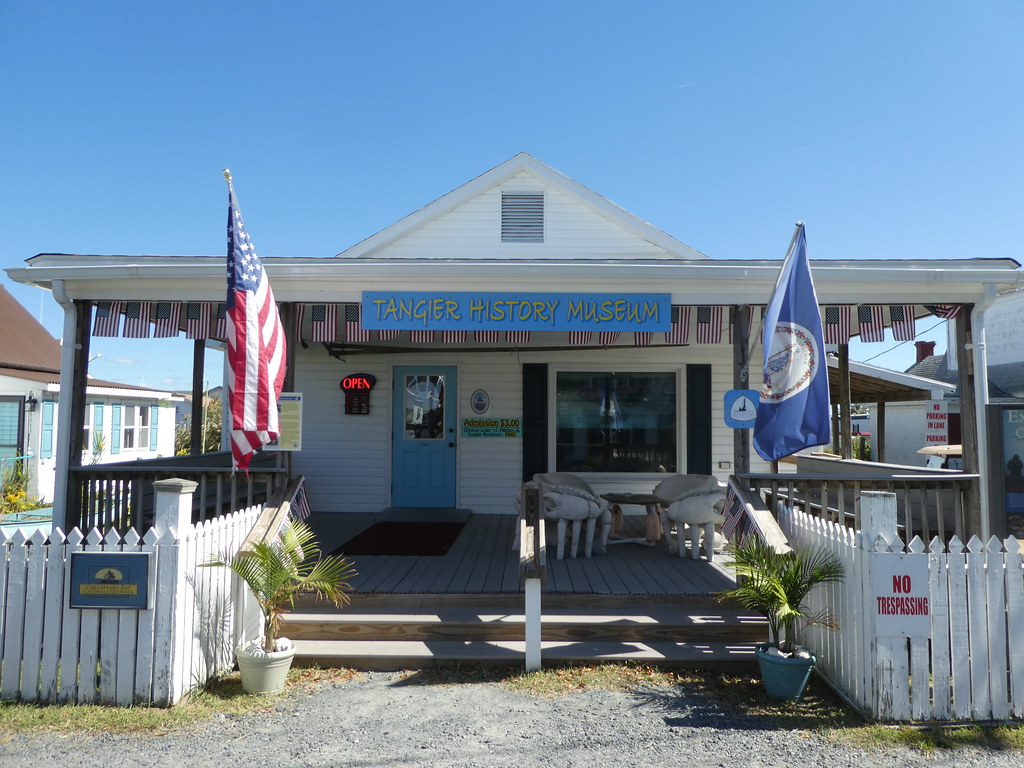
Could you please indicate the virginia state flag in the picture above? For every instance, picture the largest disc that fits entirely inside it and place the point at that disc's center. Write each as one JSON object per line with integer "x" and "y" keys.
{"x": 794, "y": 408}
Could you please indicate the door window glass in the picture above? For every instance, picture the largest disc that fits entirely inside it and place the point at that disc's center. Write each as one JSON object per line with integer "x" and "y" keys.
{"x": 424, "y": 407}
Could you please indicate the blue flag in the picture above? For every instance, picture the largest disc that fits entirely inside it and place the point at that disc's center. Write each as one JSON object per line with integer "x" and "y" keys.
{"x": 794, "y": 408}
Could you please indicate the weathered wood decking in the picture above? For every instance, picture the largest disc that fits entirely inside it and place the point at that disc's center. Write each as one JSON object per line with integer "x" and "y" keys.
{"x": 482, "y": 561}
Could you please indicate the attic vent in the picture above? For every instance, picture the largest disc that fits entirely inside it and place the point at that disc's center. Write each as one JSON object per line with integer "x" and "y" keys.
{"x": 522, "y": 217}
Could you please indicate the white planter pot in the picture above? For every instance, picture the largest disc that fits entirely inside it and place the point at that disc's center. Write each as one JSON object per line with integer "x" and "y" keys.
{"x": 264, "y": 672}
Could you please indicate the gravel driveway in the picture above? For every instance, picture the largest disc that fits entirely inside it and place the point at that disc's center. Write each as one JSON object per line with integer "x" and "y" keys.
{"x": 380, "y": 719}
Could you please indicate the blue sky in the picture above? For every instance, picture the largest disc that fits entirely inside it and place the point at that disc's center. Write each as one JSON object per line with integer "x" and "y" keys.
{"x": 892, "y": 129}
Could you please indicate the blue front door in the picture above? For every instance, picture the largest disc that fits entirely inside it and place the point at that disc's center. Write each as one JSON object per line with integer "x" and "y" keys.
{"x": 423, "y": 437}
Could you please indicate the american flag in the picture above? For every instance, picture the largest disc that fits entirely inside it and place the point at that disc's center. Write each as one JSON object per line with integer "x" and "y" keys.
{"x": 197, "y": 319}
{"x": 453, "y": 337}
{"x": 580, "y": 338}
{"x": 136, "y": 319}
{"x": 166, "y": 319}
{"x": 220, "y": 325}
{"x": 517, "y": 337}
{"x": 643, "y": 338}
{"x": 901, "y": 318}
{"x": 836, "y": 328}
{"x": 870, "y": 323}
{"x": 256, "y": 344}
{"x": 606, "y": 338}
{"x": 487, "y": 337}
{"x": 388, "y": 335}
{"x": 325, "y": 322}
{"x": 945, "y": 311}
{"x": 354, "y": 331}
{"x": 680, "y": 333}
{"x": 709, "y": 325}
{"x": 421, "y": 337}
{"x": 108, "y": 318}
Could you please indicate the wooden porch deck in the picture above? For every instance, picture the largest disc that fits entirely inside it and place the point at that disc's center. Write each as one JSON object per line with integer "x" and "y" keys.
{"x": 482, "y": 561}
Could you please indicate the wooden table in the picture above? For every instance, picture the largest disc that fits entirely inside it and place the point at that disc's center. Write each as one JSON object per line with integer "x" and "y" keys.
{"x": 647, "y": 500}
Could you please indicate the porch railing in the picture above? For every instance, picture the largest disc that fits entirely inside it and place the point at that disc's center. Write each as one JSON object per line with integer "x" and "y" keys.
{"x": 121, "y": 495}
{"x": 928, "y": 505}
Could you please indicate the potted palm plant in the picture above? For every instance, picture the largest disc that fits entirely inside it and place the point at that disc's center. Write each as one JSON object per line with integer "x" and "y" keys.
{"x": 276, "y": 572}
{"x": 776, "y": 584}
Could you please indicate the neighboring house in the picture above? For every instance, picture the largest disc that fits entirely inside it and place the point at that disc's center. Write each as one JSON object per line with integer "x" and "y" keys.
{"x": 122, "y": 421}
{"x": 502, "y": 330}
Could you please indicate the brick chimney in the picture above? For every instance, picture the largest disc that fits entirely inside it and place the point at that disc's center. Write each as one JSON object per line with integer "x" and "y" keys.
{"x": 925, "y": 349}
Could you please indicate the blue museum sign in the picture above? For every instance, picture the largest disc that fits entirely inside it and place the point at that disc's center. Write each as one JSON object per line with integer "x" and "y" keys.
{"x": 408, "y": 310}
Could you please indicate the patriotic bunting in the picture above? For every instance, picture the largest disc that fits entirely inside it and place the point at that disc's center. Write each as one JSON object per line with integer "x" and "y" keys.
{"x": 421, "y": 337}
{"x": 606, "y": 338}
{"x": 453, "y": 337}
{"x": 680, "y": 333}
{"x": 837, "y": 325}
{"x": 108, "y": 318}
{"x": 166, "y": 319}
{"x": 517, "y": 337}
{"x": 945, "y": 311}
{"x": 901, "y": 318}
{"x": 487, "y": 337}
{"x": 354, "y": 331}
{"x": 709, "y": 325}
{"x": 643, "y": 338}
{"x": 324, "y": 326}
{"x": 870, "y": 323}
{"x": 136, "y": 320}
{"x": 580, "y": 338}
{"x": 388, "y": 335}
{"x": 220, "y": 325}
{"x": 197, "y": 319}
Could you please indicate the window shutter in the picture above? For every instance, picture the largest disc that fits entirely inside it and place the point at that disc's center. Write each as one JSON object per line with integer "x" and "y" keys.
{"x": 154, "y": 417}
{"x": 115, "y": 429}
{"x": 522, "y": 217}
{"x": 46, "y": 439}
{"x": 97, "y": 417}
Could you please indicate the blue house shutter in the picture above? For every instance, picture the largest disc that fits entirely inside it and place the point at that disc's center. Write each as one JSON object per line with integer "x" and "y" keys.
{"x": 46, "y": 439}
{"x": 154, "y": 417}
{"x": 97, "y": 423}
{"x": 115, "y": 429}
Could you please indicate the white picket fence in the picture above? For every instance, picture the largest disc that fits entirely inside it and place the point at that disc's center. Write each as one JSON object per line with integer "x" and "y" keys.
{"x": 969, "y": 666}
{"x": 51, "y": 653}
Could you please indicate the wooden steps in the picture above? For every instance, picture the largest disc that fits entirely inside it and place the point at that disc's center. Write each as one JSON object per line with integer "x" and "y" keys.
{"x": 411, "y": 631}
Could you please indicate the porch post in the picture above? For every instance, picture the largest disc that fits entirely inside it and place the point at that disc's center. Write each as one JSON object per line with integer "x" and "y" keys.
{"x": 198, "y": 396}
{"x": 845, "y": 423}
{"x": 880, "y": 432}
{"x": 968, "y": 418}
{"x": 741, "y": 380}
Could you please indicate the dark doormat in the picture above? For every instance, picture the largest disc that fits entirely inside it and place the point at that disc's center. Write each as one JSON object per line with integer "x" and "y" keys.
{"x": 404, "y": 539}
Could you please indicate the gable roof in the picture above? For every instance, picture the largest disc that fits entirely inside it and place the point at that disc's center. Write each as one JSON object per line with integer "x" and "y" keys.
{"x": 523, "y": 166}
{"x": 24, "y": 343}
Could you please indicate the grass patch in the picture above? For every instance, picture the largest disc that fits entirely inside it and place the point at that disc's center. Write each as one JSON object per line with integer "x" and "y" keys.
{"x": 936, "y": 738}
{"x": 222, "y": 697}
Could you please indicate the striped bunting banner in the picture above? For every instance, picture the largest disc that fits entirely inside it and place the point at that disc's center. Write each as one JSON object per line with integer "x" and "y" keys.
{"x": 389, "y": 335}
{"x": 605, "y": 338}
{"x": 108, "y": 318}
{"x": 324, "y": 323}
{"x": 136, "y": 320}
{"x": 643, "y": 338}
{"x": 870, "y": 323}
{"x": 453, "y": 337}
{"x": 517, "y": 337}
{"x": 421, "y": 337}
{"x": 220, "y": 323}
{"x": 580, "y": 338}
{"x": 680, "y": 333}
{"x": 166, "y": 319}
{"x": 836, "y": 325}
{"x": 487, "y": 337}
{"x": 197, "y": 319}
{"x": 354, "y": 331}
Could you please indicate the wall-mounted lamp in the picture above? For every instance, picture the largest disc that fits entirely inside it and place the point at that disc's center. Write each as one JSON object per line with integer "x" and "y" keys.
{"x": 30, "y": 403}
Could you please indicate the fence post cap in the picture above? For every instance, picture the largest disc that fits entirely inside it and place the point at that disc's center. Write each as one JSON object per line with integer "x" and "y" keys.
{"x": 175, "y": 485}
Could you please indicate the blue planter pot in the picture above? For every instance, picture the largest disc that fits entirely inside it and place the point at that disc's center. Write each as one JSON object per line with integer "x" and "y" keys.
{"x": 783, "y": 678}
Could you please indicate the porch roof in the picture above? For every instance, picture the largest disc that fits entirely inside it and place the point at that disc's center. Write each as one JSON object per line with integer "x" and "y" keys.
{"x": 870, "y": 384}
{"x": 693, "y": 282}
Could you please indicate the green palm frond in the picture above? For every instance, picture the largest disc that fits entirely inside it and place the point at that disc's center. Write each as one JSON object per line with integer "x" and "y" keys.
{"x": 277, "y": 571}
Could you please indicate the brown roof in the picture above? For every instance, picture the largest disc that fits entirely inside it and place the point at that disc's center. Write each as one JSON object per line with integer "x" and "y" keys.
{"x": 24, "y": 343}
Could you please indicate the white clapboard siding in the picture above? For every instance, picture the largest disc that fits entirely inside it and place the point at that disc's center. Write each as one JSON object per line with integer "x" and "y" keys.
{"x": 346, "y": 458}
{"x": 970, "y": 668}
{"x": 52, "y": 653}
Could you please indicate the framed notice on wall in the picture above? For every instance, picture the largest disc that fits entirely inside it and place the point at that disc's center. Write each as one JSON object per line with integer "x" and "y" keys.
{"x": 289, "y": 417}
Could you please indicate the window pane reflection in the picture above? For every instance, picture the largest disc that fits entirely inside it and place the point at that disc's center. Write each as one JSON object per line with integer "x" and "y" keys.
{"x": 424, "y": 407}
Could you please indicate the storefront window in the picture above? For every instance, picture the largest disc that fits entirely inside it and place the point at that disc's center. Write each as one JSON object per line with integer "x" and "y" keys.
{"x": 615, "y": 422}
